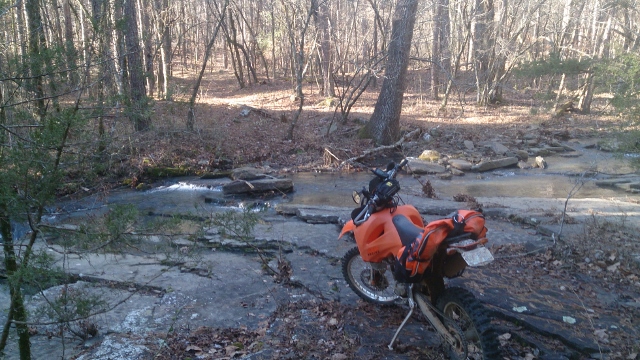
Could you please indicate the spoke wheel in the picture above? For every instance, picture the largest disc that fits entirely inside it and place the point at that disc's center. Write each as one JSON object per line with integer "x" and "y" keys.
{"x": 456, "y": 345}
{"x": 373, "y": 284}
{"x": 461, "y": 308}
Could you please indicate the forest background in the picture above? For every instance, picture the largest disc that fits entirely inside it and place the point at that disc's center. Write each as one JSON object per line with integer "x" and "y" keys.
{"x": 97, "y": 92}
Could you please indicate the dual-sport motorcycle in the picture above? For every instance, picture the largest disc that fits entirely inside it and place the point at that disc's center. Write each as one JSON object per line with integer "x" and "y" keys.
{"x": 399, "y": 259}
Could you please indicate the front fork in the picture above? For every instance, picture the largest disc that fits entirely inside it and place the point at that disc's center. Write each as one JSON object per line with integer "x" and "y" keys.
{"x": 427, "y": 310}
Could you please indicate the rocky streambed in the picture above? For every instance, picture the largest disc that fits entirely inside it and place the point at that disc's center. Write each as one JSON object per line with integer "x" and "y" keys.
{"x": 282, "y": 292}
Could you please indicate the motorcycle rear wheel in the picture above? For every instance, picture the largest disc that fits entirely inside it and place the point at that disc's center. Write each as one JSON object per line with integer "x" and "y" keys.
{"x": 461, "y": 307}
{"x": 373, "y": 285}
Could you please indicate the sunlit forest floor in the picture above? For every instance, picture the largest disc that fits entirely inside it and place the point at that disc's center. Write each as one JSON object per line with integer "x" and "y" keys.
{"x": 248, "y": 126}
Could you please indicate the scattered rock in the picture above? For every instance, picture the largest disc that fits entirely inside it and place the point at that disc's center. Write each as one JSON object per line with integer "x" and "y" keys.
{"x": 540, "y": 152}
{"x": 445, "y": 176}
{"x": 571, "y": 154}
{"x": 460, "y": 164}
{"x": 608, "y": 145}
{"x": 429, "y": 155}
{"x": 495, "y": 164}
{"x": 435, "y": 132}
{"x": 469, "y": 144}
{"x": 421, "y": 167}
{"x": 540, "y": 162}
{"x": 522, "y": 155}
{"x": 555, "y": 148}
{"x": 456, "y": 172}
{"x": 524, "y": 165}
{"x": 498, "y": 148}
{"x": 246, "y": 173}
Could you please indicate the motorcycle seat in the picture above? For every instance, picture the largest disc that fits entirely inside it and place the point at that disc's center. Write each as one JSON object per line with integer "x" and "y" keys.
{"x": 407, "y": 230}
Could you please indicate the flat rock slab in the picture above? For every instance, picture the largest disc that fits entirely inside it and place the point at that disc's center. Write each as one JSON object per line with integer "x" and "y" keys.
{"x": 316, "y": 214}
{"x": 257, "y": 186}
{"x": 247, "y": 173}
{"x": 421, "y": 167}
{"x": 495, "y": 164}
{"x": 460, "y": 164}
{"x": 553, "y": 310}
{"x": 299, "y": 235}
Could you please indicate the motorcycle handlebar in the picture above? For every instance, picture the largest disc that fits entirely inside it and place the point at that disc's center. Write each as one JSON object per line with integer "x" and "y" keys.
{"x": 392, "y": 170}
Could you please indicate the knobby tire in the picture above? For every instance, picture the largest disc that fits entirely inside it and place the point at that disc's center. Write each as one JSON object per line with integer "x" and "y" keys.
{"x": 487, "y": 339}
{"x": 353, "y": 270}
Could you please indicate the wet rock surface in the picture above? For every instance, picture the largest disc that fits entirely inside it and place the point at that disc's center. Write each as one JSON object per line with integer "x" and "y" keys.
{"x": 231, "y": 288}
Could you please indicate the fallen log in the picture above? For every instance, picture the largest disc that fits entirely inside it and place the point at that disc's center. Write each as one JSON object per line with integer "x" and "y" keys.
{"x": 355, "y": 159}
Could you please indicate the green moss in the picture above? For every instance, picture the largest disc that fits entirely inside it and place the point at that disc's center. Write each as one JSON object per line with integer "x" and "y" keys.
{"x": 364, "y": 133}
{"x": 160, "y": 172}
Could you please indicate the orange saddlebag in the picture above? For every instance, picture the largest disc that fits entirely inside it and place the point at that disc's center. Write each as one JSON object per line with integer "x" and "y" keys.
{"x": 412, "y": 260}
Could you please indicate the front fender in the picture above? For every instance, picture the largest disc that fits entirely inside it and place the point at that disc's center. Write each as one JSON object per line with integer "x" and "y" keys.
{"x": 348, "y": 227}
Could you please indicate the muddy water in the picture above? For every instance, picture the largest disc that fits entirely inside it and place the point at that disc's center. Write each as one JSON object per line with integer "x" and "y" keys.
{"x": 557, "y": 181}
{"x": 193, "y": 195}
{"x": 331, "y": 189}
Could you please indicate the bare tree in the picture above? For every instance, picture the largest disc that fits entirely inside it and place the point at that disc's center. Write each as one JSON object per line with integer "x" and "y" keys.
{"x": 323, "y": 23}
{"x": 191, "y": 117}
{"x": 299, "y": 17}
{"x": 384, "y": 125}
{"x": 137, "y": 88}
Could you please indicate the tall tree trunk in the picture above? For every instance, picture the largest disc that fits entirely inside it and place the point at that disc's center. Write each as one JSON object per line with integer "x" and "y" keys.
{"x": 273, "y": 39}
{"x": 384, "y": 125}
{"x": 183, "y": 39}
{"x": 483, "y": 47}
{"x": 19, "y": 313}
{"x": 35, "y": 58}
{"x": 137, "y": 89}
{"x": 323, "y": 23}
{"x": 99, "y": 20}
{"x": 374, "y": 79}
{"x": 165, "y": 49}
{"x": 147, "y": 42}
{"x": 70, "y": 48}
{"x": 118, "y": 53}
{"x": 297, "y": 43}
{"x": 435, "y": 50}
{"x": 232, "y": 41}
{"x": 191, "y": 117}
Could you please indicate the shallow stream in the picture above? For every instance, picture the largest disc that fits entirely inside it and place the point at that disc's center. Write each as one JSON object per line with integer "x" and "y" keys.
{"x": 194, "y": 195}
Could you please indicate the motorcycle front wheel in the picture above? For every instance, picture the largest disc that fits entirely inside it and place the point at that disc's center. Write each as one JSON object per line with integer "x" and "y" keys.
{"x": 372, "y": 282}
{"x": 480, "y": 339}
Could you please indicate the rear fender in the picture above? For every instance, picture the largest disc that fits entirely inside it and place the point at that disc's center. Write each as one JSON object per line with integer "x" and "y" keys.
{"x": 453, "y": 265}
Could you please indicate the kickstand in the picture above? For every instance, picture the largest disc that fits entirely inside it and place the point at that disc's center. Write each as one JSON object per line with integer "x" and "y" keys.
{"x": 412, "y": 306}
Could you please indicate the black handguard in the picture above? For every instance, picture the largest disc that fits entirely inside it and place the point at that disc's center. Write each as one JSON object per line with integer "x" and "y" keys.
{"x": 387, "y": 190}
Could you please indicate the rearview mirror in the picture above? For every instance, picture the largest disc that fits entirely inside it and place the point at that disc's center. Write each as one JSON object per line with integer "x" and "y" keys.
{"x": 356, "y": 197}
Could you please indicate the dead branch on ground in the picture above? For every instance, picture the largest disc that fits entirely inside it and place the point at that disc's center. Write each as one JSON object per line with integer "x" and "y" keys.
{"x": 355, "y": 159}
